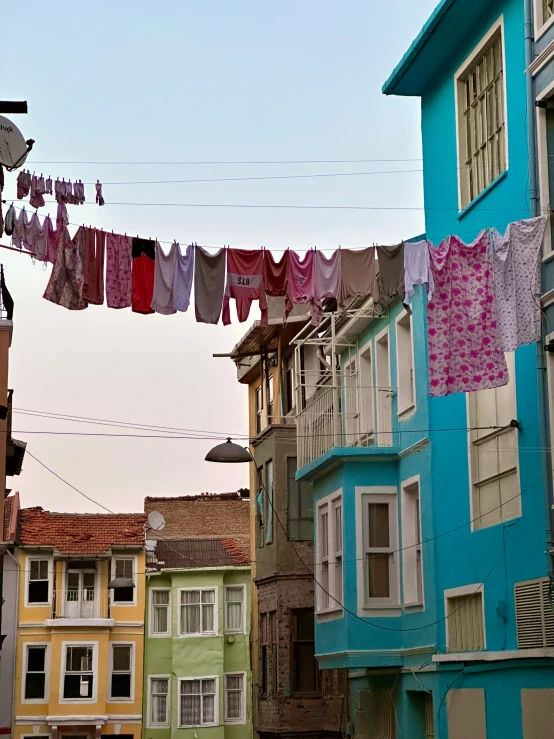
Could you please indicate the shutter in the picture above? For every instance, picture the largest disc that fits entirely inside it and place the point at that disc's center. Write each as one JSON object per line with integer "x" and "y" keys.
{"x": 534, "y": 614}
{"x": 375, "y": 716}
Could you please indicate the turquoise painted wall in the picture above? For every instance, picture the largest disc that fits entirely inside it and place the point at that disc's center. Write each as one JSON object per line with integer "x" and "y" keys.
{"x": 198, "y": 656}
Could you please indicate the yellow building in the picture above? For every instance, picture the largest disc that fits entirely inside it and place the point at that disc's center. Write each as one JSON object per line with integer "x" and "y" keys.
{"x": 80, "y": 634}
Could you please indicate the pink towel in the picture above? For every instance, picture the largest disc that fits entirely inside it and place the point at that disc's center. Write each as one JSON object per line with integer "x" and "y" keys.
{"x": 300, "y": 288}
{"x": 245, "y": 283}
{"x": 327, "y": 282}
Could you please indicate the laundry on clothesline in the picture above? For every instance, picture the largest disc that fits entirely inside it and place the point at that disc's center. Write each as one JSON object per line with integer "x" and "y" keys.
{"x": 64, "y": 191}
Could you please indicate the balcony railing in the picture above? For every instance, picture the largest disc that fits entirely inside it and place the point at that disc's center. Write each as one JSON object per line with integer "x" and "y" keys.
{"x": 82, "y": 603}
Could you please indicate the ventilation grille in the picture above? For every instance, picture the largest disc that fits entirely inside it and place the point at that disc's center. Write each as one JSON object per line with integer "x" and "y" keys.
{"x": 375, "y": 716}
{"x": 534, "y": 614}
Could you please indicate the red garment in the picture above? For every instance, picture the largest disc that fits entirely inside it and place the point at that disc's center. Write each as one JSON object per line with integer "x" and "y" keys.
{"x": 276, "y": 275}
{"x": 144, "y": 256}
{"x": 245, "y": 283}
{"x": 95, "y": 243}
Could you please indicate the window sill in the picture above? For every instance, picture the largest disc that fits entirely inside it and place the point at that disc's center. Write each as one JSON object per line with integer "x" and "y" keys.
{"x": 407, "y": 409}
{"x": 550, "y": 256}
{"x": 201, "y": 636}
{"x": 416, "y": 606}
{"x": 482, "y": 195}
{"x": 544, "y": 28}
{"x": 328, "y": 611}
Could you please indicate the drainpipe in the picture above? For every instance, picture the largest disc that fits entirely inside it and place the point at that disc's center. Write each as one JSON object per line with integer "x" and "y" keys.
{"x": 531, "y": 125}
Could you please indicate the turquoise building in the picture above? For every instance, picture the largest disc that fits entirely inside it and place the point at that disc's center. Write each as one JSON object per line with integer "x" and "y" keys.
{"x": 430, "y": 528}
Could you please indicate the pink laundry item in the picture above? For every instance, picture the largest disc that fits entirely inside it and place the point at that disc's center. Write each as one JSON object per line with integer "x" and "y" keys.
{"x": 99, "y": 197}
{"x": 36, "y": 199}
{"x": 300, "y": 288}
{"x": 462, "y": 326}
{"x": 62, "y": 216}
{"x": 276, "y": 274}
{"x": 48, "y": 185}
{"x": 20, "y": 223}
{"x": 59, "y": 191}
{"x": 23, "y": 184}
{"x": 327, "y": 282}
{"x": 118, "y": 271}
{"x": 245, "y": 283}
{"x": 52, "y": 249}
{"x": 65, "y": 286}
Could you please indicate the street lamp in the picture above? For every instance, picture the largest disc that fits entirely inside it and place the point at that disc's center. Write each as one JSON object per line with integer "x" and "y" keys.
{"x": 229, "y": 453}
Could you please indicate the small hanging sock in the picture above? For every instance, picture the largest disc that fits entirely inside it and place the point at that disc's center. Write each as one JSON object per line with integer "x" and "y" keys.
{"x": 58, "y": 191}
{"x": 99, "y": 198}
{"x": 48, "y": 185}
{"x": 23, "y": 185}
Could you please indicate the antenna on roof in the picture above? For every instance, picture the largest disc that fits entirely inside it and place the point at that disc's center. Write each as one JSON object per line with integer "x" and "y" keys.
{"x": 156, "y": 522}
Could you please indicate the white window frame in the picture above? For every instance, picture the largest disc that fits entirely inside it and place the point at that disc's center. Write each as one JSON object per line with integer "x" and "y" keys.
{"x": 216, "y": 702}
{"x": 36, "y": 701}
{"x": 113, "y": 644}
{"x": 84, "y": 643}
{"x": 149, "y": 723}
{"x": 384, "y": 436}
{"x": 215, "y": 604}
{"x": 130, "y": 603}
{"x": 466, "y": 590}
{"x": 541, "y": 25}
{"x": 242, "y": 719}
{"x": 458, "y": 85}
{"x": 330, "y": 503}
{"x": 377, "y": 606}
{"x": 159, "y": 634}
{"x": 408, "y": 406}
{"x": 366, "y": 396}
{"x": 409, "y": 539}
{"x": 542, "y": 164}
{"x": 475, "y": 526}
{"x": 242, "y": 629}
{"x": 35, "y": 557}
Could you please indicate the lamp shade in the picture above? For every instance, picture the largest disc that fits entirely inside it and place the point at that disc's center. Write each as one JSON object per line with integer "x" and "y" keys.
{"x": 121, "y": 582}
{"x": 229, "y": 453}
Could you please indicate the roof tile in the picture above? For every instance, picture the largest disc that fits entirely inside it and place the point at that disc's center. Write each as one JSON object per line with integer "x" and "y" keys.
{"x": 193, "y": 553}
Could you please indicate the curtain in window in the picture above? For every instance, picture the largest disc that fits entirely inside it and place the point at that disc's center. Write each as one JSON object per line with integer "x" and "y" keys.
{"x": 208, "y": 701}
{"x": 234, "y": 697}
{"x": 190, "y": 703}
{"x": 234, "y": 609}
{"x": 161, "y": 603}
{"x": 160, "y": 689}
{"x": 190, "y": 612}
{"x": 208, "y": 600}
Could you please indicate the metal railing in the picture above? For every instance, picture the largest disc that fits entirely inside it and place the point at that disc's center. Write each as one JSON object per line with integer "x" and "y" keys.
{"x": 81, "y": 603}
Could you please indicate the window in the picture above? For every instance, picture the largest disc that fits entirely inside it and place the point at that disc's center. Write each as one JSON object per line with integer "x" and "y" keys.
{"x": 78, "y": 683}
{"x": 35, "y": 672}
{"x": 234, "y": 609}
{"x": 198, "y": 615}
{"x": 329, "y": 549}
{"x": 305, "y": 672}
{"x": 159, "y": 612}
{"x": 121, "y": 680}
{"x": 383, "y": 390}
{"x": 367, "y": 389}
{"x": 124, "y": 568}
{"x": 198, "y": 706}
{"x": 380, "y": 540}
{"x": 264, "y": 652}
{"x": 301, "y": 507}
{"x": 351, "y": 404}
{"x": 268, "y": 653}
{"x": 159, "y": 701}
{"x": 412, "y": 565}
{"x": 259, "y": 408}
{"x": 376, "y": 714}
{"x": 534, "y": 614}
{"x": 289, "y": 390}
{"x": 405, "y": 363}
{"x": 481, "y": 118}
{"x": 494, "y": 454}
{"x": 464, "y": 624}
{"x": 270, "y": 400}
{"x": 422, "y": 723}
{"x": 269, "y": 501}
{"x": 235, "y": 699}
{"x": 548, "y": 9}
{"x": 80, "y": 590}
{"x": 39, "y": 583}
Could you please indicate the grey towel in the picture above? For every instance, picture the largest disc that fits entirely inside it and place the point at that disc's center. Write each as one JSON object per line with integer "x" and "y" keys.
{"x": 391, "y": 272}
{"x": 358, "y": 276}
{"x": 209, "y": 284}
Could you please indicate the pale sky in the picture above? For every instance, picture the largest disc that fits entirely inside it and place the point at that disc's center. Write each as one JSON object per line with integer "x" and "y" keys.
{"x": 179, "y": 81}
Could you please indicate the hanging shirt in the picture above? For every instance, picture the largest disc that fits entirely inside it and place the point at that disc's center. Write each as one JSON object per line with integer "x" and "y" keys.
{"x": 517, "y": 281}
{"x": 209, "y": 284}
{"x": 95, "y": 246}
{"x": 300, "y": 287}
{"x": 391, "y": 272}
{"x": 327, "y": 282}
{"x": 20, "y": 224}
{"x": 462, "y": 326}
{"x": 276, "y": 274}
{"x": 65, "y": 286}
{"x": 182, "y": 278}
{"x": 144, "y": 260}
{"x": 417, "y": 270}
{"x": 245, "y": 283}
{"x": 118, "y": 271}
{"x": 162, "y": 299}
{"x": 358, "y": 276}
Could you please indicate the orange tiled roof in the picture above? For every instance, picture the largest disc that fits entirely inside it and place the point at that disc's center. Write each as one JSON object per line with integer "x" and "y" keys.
{"x": 81, "y": 533}
{"x": 9, "y": 528}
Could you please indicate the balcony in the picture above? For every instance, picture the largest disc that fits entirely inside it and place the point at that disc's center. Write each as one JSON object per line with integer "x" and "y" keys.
{"x": 84, "y": 606}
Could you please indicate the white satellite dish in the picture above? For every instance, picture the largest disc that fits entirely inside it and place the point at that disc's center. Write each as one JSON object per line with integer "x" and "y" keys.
{"x": 156, "y": 521}
{"x": 13, "y": 149}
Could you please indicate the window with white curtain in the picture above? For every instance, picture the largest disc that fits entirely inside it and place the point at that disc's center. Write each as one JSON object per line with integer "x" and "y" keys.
{"x": 198, "y": 612}
{"x": 159, "y": 701}
{"x": 234, "y": 698}
{"x": 198, "y": 702}
{"x": 234, "y": 609}
{"x": 380, "y": 540}
{"x": 329, "y": 552}
{"x": 159, "y": 613}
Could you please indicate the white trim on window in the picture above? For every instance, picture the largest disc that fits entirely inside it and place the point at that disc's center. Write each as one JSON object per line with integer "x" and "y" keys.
{"x": 242, "y": 718}
{"x": 216, "y": 701}
{"x": 406, "y": 386}
{"x": 33, "y": 558}
{"x": 541, "y": 25}
{"x": 158, "y": 634}
{"x": 134, "y": 558}
{"x": 383, "y": 389}
{"x": 543, "y": 161}
{"x": 155, "y": 724}
{"x": 26, "y": 645}
{"x": 242, "y": 629}
{"x": 412, "y": 543}
{"x": 131, "y": 698}
{"x": 465, "y": 591}
{"x": 329, "y": 554}
{"x": 377, "y": 606}
{"x": 215, "y": 605}
{"x": 84, "y": 643}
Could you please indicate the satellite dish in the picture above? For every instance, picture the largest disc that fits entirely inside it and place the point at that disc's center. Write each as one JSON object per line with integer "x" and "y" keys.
{"x": 13, "y": 148}
{"x": 156, "y": 521}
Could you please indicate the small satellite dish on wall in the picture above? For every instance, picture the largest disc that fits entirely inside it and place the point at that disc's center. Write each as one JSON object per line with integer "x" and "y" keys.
{"x": 156, "y": 521}
{"x": 13, "y": 147}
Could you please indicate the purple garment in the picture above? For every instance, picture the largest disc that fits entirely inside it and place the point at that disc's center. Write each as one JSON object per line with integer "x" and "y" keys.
{"x": 462, "y": 328}
{"x": 300, "y": 287}
{"x": 327, "y": 282}
{"x": 182, "y": 279}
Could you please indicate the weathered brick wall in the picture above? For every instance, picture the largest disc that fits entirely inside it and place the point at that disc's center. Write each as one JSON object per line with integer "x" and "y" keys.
{"x": 282, "y": 711}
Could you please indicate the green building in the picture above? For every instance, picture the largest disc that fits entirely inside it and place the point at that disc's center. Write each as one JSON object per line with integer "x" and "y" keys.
{"x": 198, "y": 681}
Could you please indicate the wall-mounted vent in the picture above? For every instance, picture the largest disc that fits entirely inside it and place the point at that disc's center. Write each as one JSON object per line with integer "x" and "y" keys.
{"x": 534, "y": 614}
